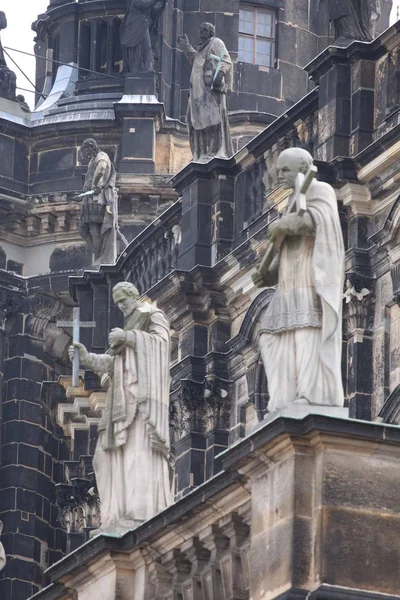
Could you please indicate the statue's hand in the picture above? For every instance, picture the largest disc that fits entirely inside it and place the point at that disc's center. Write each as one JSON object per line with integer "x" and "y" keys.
{"x": 96, "y": 190}
{"x": 183, "y": 40}
{"x": 274, "y": 230}
{"x": 83, "y": 353}
{"x": 258, "y": 279}
{"x": 219, "y": 81}
{"x": 116, "y": 336}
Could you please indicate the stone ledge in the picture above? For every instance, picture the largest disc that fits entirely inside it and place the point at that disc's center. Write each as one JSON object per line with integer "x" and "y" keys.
{"x": 321, "y": 493}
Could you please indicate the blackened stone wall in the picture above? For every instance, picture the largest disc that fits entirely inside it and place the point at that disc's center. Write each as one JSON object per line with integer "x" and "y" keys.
{"x": 301, "y": 32}
{"x": 32, "y": 451}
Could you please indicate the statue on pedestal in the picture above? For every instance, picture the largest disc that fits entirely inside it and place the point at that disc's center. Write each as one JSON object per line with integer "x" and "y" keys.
{"x": 301, "y": 332}
{"x": 131, "y": 462}
{"x": 207, "y": 113}
{"x": 139, "y": 24}
{"x": 97, "y": 220}
{"x": 352, "y": 18}
{"x": 8, "y": 80}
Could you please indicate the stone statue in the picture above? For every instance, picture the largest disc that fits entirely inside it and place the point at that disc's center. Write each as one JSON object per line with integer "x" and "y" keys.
{"x": 301, "y": 332}
{"x": 131, "y": 462}
{"x": 96, "y": 225}
{"x": 207, "y": 113}
{"x": 8, "y": 79}
{"x": 140, "y": 22}
{"x": 2, "y": 551}
{"x": 352, "y": 18}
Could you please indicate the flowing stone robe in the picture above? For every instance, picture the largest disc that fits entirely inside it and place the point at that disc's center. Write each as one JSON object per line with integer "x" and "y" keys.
{"x": 301, "y": 332}
{"x": 2, "y": 551}
{"x": 207, "y": 113}
{"x": 141, "y": 18}
{"x": 98, "y": 210}
{"x": 131, "y": 459}
{"x": 352, "y": 18}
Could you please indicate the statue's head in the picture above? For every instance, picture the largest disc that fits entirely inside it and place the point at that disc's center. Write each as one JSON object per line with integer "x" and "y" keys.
{"x": 207, "y": 31}
{"x": 126, "y": 297}
{"x": 89, "y": 150}
{"x": 3, "y": 20}
{"x": 291, "y": 162}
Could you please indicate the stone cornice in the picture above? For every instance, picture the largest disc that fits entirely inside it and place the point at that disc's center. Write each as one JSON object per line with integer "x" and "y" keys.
{"x": 243, "y": 456}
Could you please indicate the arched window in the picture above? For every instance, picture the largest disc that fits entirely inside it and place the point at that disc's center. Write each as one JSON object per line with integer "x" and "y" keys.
{"x": 85, "y": 45}
{"x": 102, "y": 50}
{"x": 117, "y": 55}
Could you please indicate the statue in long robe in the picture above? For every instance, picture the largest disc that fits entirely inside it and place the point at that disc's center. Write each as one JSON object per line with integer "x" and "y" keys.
{"x": 131, "y": 462}
{"x": 301, "y": 332}
{"x": 352, "y": 18}
{"x": 138, "y": 26}
{"x": 2, "y": 551}
{"x": 96, "y": 223}
{"x": 8, "y": 80}
{"x": 207, "y": 112}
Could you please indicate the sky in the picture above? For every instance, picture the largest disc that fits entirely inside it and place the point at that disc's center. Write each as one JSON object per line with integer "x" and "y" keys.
{"x": 20, "y": 15}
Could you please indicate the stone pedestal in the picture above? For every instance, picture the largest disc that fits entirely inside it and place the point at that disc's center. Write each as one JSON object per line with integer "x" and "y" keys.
{"x": 346, "y": 79}
{"x": 304, "y": 509}
{"x": 207, "y": 192}
{"x": 141, "y": 84}
{"x": 299, "y": 411}
{"x": 140, "y": 114}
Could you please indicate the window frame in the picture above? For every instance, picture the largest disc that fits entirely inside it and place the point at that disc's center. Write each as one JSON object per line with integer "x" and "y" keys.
{"x": 254, "y": 36}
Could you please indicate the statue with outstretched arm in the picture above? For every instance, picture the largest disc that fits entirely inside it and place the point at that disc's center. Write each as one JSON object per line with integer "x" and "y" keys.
{"x": 131, "y": 462}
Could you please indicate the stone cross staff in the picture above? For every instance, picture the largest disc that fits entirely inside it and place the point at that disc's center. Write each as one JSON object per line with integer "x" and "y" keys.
{"x": 76, "y": 324}
{"x": 298, "y": 202}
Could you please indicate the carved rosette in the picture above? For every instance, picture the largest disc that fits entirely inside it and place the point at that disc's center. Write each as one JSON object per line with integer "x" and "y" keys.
{"x": 79, "y": 507}
{"x": 199, "y": 407}
{"x": 216, "y": 414}
{"x": 359, "y": 304}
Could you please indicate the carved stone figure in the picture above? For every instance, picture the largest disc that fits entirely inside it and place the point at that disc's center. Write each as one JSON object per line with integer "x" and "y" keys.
{"x": 207, "y": 113}
{"x": 97, "y": 226}
{"x": 301, "y": 337}
{"x": 2, "y": 552}
{"x": 137, "y": 28}
{"x": 8, "y": 80}
{"x": 353, "y": 18}
{"x": 131, "y": 458}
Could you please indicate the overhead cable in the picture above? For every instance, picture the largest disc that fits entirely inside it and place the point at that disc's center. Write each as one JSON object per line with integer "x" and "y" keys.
{"x": 24, "y": 74}
{"x": 59, "y": 62}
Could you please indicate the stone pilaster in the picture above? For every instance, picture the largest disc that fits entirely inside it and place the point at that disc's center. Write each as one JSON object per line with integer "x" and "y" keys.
{"x": 207, "y": 192}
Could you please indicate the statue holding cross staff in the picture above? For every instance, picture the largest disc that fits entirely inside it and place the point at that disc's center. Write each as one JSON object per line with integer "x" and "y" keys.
{"x": 131, "y": 462}
{"x": 301, "y": 332}
{"x": 207, "y": 113}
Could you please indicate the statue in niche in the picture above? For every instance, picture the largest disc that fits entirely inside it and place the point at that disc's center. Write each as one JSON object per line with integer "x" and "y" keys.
{"x": 97, "y": 220}
{"x": 301, "y": 332}
{"x": 138, "y": 27}
{"x": 131, "y": 462}
{"x": 2, "y": 551}
{"x": 207, "y": 113}
{"x": 353, "y": 19}
{"x": 8, "y": 79}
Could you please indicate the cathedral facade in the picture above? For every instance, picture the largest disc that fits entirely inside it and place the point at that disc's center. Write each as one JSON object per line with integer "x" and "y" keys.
{"x": 294, "y": 510}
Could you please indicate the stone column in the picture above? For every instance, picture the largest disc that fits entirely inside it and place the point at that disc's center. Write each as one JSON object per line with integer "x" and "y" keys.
{"x": 331, "y": 70}
{"x": 140, "y": 115}
{"x": 208, "y": 197}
